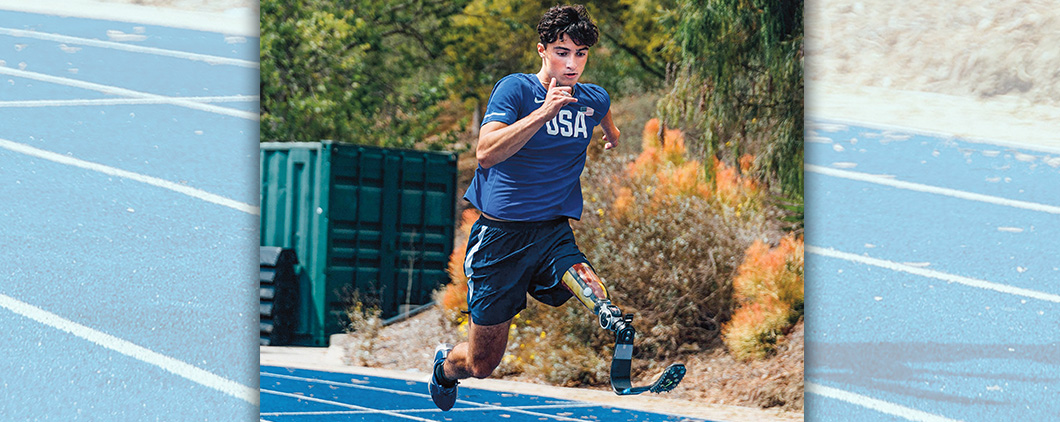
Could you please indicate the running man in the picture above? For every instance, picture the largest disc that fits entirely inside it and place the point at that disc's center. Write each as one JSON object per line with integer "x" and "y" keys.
{"x": 531, "y": 152}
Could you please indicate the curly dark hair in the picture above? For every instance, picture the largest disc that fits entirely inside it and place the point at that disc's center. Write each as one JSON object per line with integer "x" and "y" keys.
{"x": 571, "y": 20}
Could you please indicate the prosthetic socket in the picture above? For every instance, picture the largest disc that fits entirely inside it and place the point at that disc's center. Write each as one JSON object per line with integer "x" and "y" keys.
{"x": 587, "y": 287}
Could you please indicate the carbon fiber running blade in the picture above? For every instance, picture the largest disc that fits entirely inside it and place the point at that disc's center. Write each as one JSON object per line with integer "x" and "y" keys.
{"x": 669, "y": 379}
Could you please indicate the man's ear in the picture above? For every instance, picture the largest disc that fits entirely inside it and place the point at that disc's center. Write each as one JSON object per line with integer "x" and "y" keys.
{"x": 541, "y": 50}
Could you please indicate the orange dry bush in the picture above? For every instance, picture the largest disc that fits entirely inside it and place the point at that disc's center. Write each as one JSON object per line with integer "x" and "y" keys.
{"x": 467, "y": 219}
{"x": 755, "y": 329}
{"x": 664, "y": 160}
{"x": 746, "y": 162}
{"x": 650, "y": 136}
{"x": 769, "y": 286}
{"x": 658, "y": 155}
{"x": 688, "y": 179}
{"x": 674, "y": 146}
{"x": 772, "y": 272}
{"x": 646, "y": 164}
{"x": 623, "y": 201}
{"x": 456, "y": 265}
{"x": 731, "y": 187}
{"x": 453, "y": 296}
{"x": 662, "y": 165}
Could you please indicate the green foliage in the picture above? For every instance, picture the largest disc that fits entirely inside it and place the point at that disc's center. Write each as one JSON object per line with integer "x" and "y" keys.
{"x": 365, "y": 71}
{"x": 739, "y": 89}
{"x": 636, "y": 45}
{"x": 410, "y": 74}
{"x": 491, "y": 39}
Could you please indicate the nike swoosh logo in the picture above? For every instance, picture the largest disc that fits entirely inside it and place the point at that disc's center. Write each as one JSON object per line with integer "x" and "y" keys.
{"x": 539, "y": 101}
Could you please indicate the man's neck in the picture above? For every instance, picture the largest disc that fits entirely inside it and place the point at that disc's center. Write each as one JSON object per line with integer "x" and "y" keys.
{"x": 543, "y": 77}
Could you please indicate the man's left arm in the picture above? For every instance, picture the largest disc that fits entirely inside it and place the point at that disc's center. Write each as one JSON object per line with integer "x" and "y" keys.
{"x": 611, "y": 132}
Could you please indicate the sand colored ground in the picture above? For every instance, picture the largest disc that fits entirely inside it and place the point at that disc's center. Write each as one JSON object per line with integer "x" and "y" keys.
{"x": 971, "y": 68}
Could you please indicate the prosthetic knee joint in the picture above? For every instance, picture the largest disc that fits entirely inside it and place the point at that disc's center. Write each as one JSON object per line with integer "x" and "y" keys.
{"x": 583, "y": 282}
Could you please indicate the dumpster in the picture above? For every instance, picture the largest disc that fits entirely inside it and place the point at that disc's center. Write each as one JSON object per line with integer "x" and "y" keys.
{"x": 375, "y": 221}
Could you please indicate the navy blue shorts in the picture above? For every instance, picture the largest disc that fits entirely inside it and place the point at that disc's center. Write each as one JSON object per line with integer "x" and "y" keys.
{"x": 507, "y": 260}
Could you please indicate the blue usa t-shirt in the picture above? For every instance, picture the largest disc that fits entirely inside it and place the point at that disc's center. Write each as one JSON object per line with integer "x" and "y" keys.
{"x": 541, "y": 181}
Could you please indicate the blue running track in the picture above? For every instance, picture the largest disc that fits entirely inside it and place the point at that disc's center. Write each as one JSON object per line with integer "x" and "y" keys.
{"x": 301, "y": 395}
{"x": 128, "y": 226}
{"x": 932, "y": 277}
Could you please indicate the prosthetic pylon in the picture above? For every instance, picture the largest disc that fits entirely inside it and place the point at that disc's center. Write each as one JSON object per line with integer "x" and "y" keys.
{"x": 587, "y": 287}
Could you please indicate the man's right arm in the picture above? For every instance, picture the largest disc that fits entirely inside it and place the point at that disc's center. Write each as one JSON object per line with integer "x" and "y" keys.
{"x": 498, "y": 141}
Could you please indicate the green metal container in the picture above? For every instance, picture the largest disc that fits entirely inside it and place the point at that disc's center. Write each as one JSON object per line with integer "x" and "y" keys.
{"x": 372, "y": 220}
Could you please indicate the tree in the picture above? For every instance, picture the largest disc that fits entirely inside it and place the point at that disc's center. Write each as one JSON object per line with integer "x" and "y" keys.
{"x": 739, "y": 89}
{"x": 365, "y": 71}
{"x": 396, "y": 74}
{"x": 488, "y": 40}
{"x": 641, "y": 37}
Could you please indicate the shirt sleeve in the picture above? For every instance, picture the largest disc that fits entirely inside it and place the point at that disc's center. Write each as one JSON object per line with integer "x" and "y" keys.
{"x": 605, "y": 100}
{"x": 504, "y": 102}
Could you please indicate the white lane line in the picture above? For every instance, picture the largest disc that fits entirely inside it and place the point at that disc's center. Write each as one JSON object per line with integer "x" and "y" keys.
{"x": 348, "y": 406}
{"x": 972, "y": 282}
{"x": 409, "y": 393}
{"x": 864, "y": 177}
{"x": 432, "y": 410}
{"x": 875, "y": 404}
{"x": 179, "y": 368}
{"x": 154, "y": 181}
{"x": 215, "y": 60}
{"x": 113, "y": 90}
{"x": 125, "y": 101}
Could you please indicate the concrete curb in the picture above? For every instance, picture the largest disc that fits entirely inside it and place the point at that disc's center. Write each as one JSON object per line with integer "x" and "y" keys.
{"x": 1001, "y": 121}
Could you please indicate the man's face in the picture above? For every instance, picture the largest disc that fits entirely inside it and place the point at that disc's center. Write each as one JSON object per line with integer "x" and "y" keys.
{"x": 564, "y": 60}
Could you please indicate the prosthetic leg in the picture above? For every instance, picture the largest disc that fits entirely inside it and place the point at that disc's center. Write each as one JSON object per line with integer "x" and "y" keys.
{"x": 583, "y": 282}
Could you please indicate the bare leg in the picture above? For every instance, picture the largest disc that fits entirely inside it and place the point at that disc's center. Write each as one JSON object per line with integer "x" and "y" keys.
{"x": 481, "y": 354}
